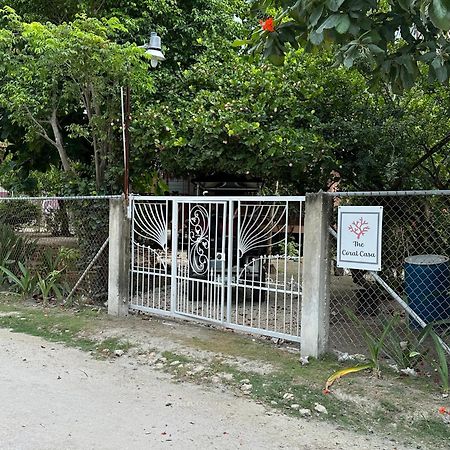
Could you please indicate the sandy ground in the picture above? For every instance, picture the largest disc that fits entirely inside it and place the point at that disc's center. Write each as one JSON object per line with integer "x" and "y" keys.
{"x": 53, "y": 397}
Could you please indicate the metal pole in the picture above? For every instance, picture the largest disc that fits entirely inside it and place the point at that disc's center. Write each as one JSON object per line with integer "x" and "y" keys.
{"x": 88, "y": 268}
{"x": 126, "y": 117}
{"x": 174, "y": 269}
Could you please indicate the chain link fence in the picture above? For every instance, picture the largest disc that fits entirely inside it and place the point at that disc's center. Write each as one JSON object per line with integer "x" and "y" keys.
{"x": 414, "y": 283}
{"x": 55, "y": 248}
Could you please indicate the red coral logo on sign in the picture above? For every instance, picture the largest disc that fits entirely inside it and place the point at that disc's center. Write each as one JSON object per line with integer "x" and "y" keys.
{"x": 359, "y": 227}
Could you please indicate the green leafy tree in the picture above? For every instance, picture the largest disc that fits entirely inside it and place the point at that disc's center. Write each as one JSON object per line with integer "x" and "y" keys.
{"x": 392, "y": 39}
{"x": 55, "y": 11}
{"x": 188, "y": 29}
{"x": 60, "y": 81}
{"x": 304, "y": 125}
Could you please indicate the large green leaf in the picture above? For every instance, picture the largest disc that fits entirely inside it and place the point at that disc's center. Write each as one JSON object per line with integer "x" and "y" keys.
{"x": 375, "y": 49}
{"x": 343, "y": 24}
{"x": 439, "y": 12}
{"x": 350, "y": 55}
{"x": 316, "y": 38}
{"x": 334, "y": 5}
{"x": 440, "y": 69}
{"x": 330, "y": 22}
{"x": 316, "y": 14}
{"x": 241, "y": 42}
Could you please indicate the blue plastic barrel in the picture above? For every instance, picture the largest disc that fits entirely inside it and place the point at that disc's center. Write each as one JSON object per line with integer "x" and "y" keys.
{"x": 427, "y": 285}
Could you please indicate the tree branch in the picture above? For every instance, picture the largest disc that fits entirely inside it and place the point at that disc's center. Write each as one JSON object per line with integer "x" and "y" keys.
{"x": 431, "y": 151}
{"x": 428, "y": 154}
{"x": 42, "y": 132}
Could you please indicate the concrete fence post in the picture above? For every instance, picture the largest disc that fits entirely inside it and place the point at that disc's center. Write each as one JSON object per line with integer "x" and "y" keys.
{"x": 316, "y": 275}
{"x": 119, "y": 258}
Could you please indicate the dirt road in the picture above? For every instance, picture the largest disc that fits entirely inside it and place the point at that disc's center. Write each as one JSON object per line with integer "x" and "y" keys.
{"x": 53, "y": 397}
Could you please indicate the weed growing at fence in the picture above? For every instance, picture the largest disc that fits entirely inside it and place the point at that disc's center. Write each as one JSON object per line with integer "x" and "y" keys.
{"x": 25, "y": 282}
{"x": 48, "y": 286}
{"x": 440, "y": 364}
{"x": 55, "y": 234}
{"x": 405, "y": 354}
{"x": 403, "y": 348}
{"x": 45, "y": 281}
{"x": 374, "y": 346}
{"x": 14, "y": 248}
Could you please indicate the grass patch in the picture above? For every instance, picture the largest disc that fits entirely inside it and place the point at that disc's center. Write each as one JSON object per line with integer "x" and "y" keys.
{"x": 110, "y": 345}
{"x": 172, "y": 357}
{"x": 304, "y": 385}
{"x": 388, "y": 406}
{"x": 62, "y": 326}
{"x": 270, "y": 389}
{"x": 431, "y": 429}
{"x": 233, "y": 344}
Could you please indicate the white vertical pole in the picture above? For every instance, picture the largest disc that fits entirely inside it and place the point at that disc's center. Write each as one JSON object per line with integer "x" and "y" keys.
{"x": 225, "y": 256}
{"x": 230, "y": 259}
{"x": 173, "y": 288}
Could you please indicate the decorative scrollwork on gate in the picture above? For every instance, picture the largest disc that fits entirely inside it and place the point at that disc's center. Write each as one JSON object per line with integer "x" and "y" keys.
{"x": 150, "y": 222}
{"x": 199, "y": 226}
{"x": 260, "y": 226}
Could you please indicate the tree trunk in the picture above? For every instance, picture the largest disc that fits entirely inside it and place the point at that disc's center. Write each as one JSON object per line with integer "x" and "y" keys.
{"x": 59, "y": 142}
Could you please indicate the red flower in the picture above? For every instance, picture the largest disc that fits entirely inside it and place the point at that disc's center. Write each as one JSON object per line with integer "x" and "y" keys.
{"x": 442, "y": 410}
{"x": 267, "y": 25}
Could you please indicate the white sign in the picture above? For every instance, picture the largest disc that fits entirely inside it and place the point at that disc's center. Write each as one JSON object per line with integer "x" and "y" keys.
{"x": 359, "y": 237}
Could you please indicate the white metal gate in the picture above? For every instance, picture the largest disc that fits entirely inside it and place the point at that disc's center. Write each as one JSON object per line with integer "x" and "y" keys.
{"x": 200, "y": 260}
{"x": 234, "y": 261}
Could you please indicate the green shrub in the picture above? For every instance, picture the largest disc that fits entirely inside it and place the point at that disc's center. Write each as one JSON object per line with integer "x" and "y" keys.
{"x": 25, "y": 283}
{"x": 19, "y": 214}
{"x": 14, "y": 249}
